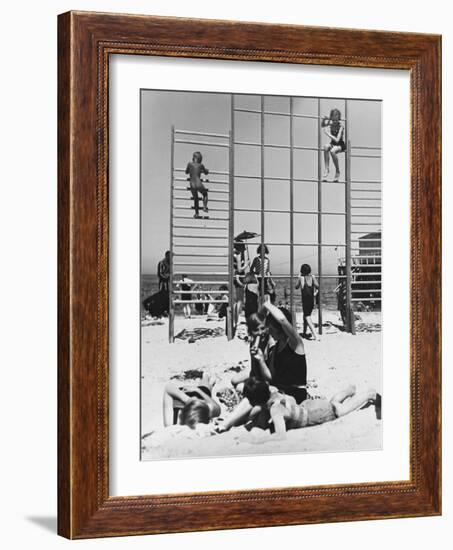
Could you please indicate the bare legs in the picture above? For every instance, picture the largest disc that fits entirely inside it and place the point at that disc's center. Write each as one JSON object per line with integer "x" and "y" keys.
{"x": 196, "y": 203}
{"x": 308, "y": 322}
{"x": 348, "y": 400}
{"x": 331, "y": 151}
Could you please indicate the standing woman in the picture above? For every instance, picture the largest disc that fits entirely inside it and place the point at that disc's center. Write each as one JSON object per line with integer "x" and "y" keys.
{"x": 261, "y": 268}
{"x": 309, "y": 288}
{"x": 240, "y": 268}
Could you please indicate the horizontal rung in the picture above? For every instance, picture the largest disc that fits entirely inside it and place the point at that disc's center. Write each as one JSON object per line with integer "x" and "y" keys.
{"x": 200, "y": 245}
{"x": 365, "y": 216}
{"x": 193, "y": 142}
{"x": 200, "y": 302}
{"x": 207, "y": 255}
{"x": 198, "y": 264}
{"x": 211, "y": 172}
{"x": 189, "y": 133}
{"x": 366, "y": 147}
{"x": 213, "y": 209}
{"x": 202, "y": 273}
{"x": 200, "y": 236}
{"x": 366, "y": 181}
{"x": 365, "y": 156}
{"x": 357, "y": 190}
{"x": 366, "y": 206}
{"x": 205, "y": 219}
{"x": 365, "y": 273}
{"x": 209, "y": 182}
{"x": 365, "y": 290}
{"x": 313, "y": 212}
{"x": 200, "y": 292}
{"x": 366, "y": 199}
{"x": 275, "y": 145}
{"x": 366, "y": 223}
{"x": 179, "y": 188}
{"x": 189, "y": 198}
{"x": 199, "y": 229}
{"x": 366, "y": 299}
{"x": 278, "y": 113}
{"x": 206, "y": 283}
{"x": 367, "y": 282}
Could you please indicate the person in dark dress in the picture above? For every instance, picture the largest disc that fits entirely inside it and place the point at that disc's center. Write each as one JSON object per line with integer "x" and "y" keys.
{"x": 309, "y": 287}
{"x": 287, "y": 365}
{"x": 163, "y": 272}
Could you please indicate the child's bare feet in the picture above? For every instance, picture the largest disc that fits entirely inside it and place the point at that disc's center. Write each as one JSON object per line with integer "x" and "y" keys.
{"x": 197, "y": 216}
{"x": 336, "y": 179}
{"x": 325, "y": 175}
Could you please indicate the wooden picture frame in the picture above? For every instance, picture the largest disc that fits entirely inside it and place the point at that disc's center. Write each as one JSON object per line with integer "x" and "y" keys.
{"x": 85, "y": 41}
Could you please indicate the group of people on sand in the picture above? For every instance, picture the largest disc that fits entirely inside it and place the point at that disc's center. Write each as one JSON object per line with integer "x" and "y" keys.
{"x": 274, "y": 391}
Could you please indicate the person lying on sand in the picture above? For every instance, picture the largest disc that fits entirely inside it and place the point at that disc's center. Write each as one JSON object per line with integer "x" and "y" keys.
{"x": 285, "y": 414}
{"x": 189, "y": 405}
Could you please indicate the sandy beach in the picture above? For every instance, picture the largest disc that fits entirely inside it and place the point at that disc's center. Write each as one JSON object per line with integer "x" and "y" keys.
{"x": 338, "y": 360}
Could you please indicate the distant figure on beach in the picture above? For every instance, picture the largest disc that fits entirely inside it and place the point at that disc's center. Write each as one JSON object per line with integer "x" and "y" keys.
{"x": 189, "y": 405}
{"x": 334, "y": 130}
{"x": 286, "y": 414}
{"x": 309, "y": 287}
{"x": 261, "y": 268}
{"x": 195, "y": 169}
{"x": 186, "y": 287}
{"x": 341, "y": 292}
{"x": 240, "y": 266}
{"x": 163, "y": 272}
{"x": 222, "y": 310}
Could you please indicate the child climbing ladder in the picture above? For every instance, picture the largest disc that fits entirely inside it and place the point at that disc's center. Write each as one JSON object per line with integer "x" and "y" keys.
{"x": 195, "y": 169}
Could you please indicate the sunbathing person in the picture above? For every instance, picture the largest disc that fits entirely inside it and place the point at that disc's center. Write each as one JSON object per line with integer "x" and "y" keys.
{"x": 189, "y": 405}
{"x": 285, "y": 414}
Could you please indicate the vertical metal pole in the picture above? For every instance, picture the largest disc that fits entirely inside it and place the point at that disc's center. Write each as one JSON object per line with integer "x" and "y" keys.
{"x": 171, "y": 313}
{"x": 231, "y": 304}
{"x": 291, "y": 209}
{"x": 319, "y": 220}
{"x": 349, "y": 313}
{"x": 262, "y": 201}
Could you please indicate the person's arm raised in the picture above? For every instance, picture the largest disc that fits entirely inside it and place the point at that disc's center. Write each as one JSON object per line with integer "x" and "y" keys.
{"x": 295, "y": 340}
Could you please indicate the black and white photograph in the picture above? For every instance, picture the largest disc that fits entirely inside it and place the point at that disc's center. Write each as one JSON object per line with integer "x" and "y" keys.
{"x": 260, "y": 290}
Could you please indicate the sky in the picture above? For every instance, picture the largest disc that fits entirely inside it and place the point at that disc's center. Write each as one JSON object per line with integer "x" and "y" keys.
{"x": 211, "y": 113}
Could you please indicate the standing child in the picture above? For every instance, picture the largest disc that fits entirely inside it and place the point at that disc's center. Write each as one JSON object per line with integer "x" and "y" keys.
{"x": 334, "y": 129}
{"x": 186, "y": 286}
{"x": 309, "y": 287}
{"x": 195, "y": 169}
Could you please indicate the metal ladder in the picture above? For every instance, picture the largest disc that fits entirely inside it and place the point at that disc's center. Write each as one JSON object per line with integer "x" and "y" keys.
{"x": 193, "y": 240}
{"x": 364, "y": 253}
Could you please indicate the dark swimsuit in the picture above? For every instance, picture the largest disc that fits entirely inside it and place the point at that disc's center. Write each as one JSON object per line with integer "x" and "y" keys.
{"x": 308, "y": 297}
{"x": 187, "y": 297}
{"x": 290, "y": 372}
{"x": 334, "y": 131}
